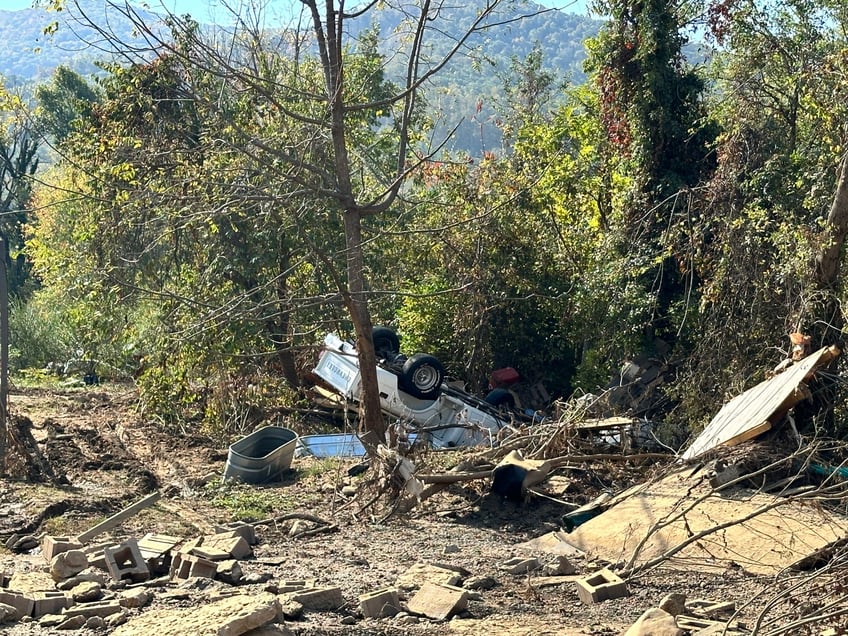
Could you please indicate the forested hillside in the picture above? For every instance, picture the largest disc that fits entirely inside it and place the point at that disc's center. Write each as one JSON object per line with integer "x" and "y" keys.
{"x": 222, "y": 198}
{"x": 29, "y": 56}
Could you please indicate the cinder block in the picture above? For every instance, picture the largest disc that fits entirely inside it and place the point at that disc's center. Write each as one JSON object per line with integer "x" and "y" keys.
{"x": 601, "y": 586}
{"x": 380, "y": 604}
{"x": 186, "y": 566}
{"x": 51, "y": 546}
{"x": 22, "y": 604}
{"x": 124, "y": 561}
{"x": 49, "y": 603}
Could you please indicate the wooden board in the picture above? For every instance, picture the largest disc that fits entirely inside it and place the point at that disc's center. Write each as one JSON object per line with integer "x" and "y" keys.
{"x": 755, "y": 411}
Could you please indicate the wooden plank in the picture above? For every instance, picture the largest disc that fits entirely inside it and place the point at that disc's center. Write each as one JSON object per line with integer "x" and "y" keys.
{"x": 755, "y": 411}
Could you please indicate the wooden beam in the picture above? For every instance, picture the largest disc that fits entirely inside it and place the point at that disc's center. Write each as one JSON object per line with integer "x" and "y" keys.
{"x": 117, "y": 518}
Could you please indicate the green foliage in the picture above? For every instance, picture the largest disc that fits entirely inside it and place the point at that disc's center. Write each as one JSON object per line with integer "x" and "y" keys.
{"x": 38, "y": 336}
{"x": 248, "y": 502}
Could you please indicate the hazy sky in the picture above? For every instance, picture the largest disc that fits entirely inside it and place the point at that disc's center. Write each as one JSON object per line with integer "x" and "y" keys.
{"x": 201, "y": 10}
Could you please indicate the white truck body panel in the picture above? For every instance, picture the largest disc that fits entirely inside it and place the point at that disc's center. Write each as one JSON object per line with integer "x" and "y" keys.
{"x": 447, "y": 421}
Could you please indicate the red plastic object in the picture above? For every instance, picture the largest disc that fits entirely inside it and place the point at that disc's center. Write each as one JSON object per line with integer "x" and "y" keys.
{"x": 503, "y": 377}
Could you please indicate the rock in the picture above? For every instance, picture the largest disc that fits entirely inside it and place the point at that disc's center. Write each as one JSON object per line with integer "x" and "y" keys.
{"x": 66, "y": 564}
{"x": 74, "y": 622}
{"x": 95, "y": 622}
{"x": 87, "y": 575}
{"x": 51, "y": 620}
{"x": 24, "y": 543}
{"x": 7, "y": 613}
{"x": 450, "y": 549}
{"x": 655, "y": 622}
{"x": 674, "y": 603}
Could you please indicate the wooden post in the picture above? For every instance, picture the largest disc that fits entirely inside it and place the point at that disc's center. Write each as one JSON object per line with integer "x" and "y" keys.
{"x": 117, "y": 518}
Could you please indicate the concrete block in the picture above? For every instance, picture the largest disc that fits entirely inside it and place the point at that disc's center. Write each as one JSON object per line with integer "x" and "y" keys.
{"x": 603, "y": 585}
{"x": 438, "y": 601}
{"x": 124, "y": 561}
{"x": 380, "y": 604}
{"x": 319, "y": 598}
{"x": 23, "y": 604}
{"x": 49, "y": 603}
{"x": 186, "y": 566}
{"x": 51, "y": 546}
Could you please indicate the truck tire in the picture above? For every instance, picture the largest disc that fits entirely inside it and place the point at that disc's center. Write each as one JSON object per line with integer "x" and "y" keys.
{"x": 386, "y": 342}
{"x": 422, "y": 376}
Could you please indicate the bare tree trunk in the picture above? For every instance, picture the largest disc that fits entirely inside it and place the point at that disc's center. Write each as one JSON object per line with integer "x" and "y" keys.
{"x": 370, "y": 414}
{"x": 828, "y": 261}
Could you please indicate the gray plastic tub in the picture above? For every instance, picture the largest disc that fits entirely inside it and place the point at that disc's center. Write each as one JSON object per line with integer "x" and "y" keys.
{"x": 261, "y": 456}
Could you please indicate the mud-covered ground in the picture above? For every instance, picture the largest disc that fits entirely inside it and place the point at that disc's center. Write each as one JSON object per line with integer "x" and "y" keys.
{"x": 98, "y": 455}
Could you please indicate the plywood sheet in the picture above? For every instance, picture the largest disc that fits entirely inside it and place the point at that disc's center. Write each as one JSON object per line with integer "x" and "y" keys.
{"x": 763, "y": 545}
{"x": 753, "y": 412}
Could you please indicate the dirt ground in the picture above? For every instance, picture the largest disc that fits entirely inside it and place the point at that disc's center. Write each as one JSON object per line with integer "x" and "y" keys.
{"x": 102, "y": 455}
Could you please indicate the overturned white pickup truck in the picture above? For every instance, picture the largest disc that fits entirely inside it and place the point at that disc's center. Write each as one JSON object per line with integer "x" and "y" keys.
{"x": 414, "y": 390}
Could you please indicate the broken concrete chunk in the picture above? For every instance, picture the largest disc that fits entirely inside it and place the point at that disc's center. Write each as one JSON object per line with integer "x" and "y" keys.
{"x": 23, "y": 604}
{"x": 438, "y": 601}
{"x": 655, "y": 622}
{"x": 134, "y": 598}
{"x": 26, "y": 582}
{"x": 49, "y": 603}
{"x": 601, "y": 586}
{"x": 51, "y": 546}
{"x": 519, "y": 565}
{"x": 101, "y": 608}
{"x": 319, "y": 598}
{"x": 229, "y": 616}
{"x": 380, "y": 604}
{"x": 86, "y": 592}
{"x": 710, "y": 609}
{"x": 560, "y": 566}
{"x": 480, "y": 583}
{"x": 421, "y": 573}
{"x": 229, "y": 571}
